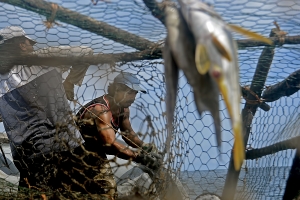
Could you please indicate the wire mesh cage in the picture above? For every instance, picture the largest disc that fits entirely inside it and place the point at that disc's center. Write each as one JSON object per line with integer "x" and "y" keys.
{"x": 88, "y": 44}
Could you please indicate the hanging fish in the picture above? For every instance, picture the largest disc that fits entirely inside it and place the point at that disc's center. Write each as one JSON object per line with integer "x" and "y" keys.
{"x": 179, "y": 53}
{"x": 200, "y": 43}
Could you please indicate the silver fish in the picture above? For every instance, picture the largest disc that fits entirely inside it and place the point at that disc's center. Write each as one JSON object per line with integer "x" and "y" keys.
{"x": 179, "y": 53}
{"x": 216, "y": 55}
{"x": 200, "y": 43}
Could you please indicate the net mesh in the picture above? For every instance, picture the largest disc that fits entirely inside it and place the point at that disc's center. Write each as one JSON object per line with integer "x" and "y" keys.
{"x": 124, "y": 31}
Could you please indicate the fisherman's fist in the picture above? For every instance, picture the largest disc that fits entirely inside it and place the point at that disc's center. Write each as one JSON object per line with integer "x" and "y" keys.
{"x": 149, "y": 147}
{"x": 151, "y": 160}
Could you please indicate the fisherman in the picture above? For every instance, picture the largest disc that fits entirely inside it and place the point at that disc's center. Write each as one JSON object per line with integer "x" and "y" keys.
{"x": 36, "y": 115}
{"x": 100, "y": 120}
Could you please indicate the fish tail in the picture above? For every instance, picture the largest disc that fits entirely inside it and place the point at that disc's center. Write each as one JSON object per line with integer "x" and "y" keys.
{"x": 238, "y": 149}
{"x": 250, "y": 34}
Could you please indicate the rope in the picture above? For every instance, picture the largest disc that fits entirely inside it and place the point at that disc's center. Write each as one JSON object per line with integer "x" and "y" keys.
{"x": 258, "y": 100}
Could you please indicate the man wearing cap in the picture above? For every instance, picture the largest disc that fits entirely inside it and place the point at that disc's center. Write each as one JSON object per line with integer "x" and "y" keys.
{"x": 100, "y": 120}
{"x": 37, "y": 116}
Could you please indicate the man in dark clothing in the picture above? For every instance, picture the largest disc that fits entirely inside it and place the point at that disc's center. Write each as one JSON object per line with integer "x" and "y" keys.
{"x": 100, "y": 120}
{"x": 44, "y": 140}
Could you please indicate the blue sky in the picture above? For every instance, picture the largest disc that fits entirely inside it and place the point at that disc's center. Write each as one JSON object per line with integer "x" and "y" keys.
{"x": 193, "y": 132}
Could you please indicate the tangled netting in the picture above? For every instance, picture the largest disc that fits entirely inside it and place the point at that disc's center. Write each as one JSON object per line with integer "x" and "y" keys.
{"x": 127, "y": 36}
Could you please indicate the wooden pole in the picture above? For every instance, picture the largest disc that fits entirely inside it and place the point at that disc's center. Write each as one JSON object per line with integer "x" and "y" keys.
{"x": 84, "y": 22}
{"x": 81, "y": 60}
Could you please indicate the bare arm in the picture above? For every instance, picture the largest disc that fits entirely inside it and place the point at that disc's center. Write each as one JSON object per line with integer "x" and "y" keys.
{"x": 108, "y": 136}
{"x": 128, "y": 135}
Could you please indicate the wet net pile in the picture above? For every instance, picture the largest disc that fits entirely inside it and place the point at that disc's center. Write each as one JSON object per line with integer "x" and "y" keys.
{"x": 127, "y": 36}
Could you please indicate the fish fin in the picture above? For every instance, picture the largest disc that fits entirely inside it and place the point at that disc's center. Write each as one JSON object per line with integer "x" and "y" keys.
{"x": 238, "y": 149}
{"x": 221, "y": 49}
{"x": 202, "y": 59}
{"x": 217, "y": 122}
{"x": 250, "y": 34}
{"x": 171, "y": 76}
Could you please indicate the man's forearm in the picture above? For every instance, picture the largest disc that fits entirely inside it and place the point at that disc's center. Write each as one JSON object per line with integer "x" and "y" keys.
{"x": 77, "y": 74}
{"x": 121, "y": 151}
{"x": 132, "y": 139}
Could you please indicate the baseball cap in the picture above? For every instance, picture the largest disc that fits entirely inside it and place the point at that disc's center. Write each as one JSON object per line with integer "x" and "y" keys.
{"x": 10, "y": 32}
{"x": 129, "y": 80}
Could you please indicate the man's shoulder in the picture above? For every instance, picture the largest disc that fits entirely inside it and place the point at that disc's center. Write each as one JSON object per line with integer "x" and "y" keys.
{"x": 100, "y": 107}
{"x": 99, "y": 101}
{"x": 97, "y": 104}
